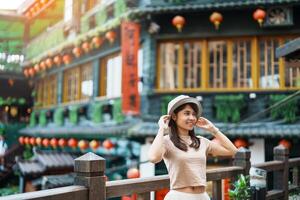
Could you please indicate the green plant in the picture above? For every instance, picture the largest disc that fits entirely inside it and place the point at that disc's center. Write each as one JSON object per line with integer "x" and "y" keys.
{"x": 164, "y": 104}
{"x": 228, "y": 107}
{"x": 27, "y": 153}
{"x": 241, "y": 189}
{"x": 101, "y": 16}
{"x": 287, "y": 110}
{"x": 9, "y": 190}
{"x": 119, "y": 8}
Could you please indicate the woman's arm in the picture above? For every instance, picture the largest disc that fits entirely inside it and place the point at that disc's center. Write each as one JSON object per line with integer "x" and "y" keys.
{"x": 157, "y": 148}
{"x": 226, "y": 147}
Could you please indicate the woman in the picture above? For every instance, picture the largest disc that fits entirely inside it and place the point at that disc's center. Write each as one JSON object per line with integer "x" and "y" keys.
{"x": 183, "y": 152}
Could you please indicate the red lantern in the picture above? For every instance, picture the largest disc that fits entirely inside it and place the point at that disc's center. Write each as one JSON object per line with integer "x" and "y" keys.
{"x": 45, "y": 142}
{"x": 11, "y": 82}
{"x": 259, "y": 15}
{"x": 31, "y": 71}
{"x": 97, "y": 41}
{"x": 72, "y": 143}
{"x": 77, "y": 52}
{"x": 21, "y": 140}
{"x": 240, "y": 143}
{"x": 54, "y": 142}
{"x": 286, "y": 143}
{"x": 111, "y": 36}
{"x": 86, "y": 47}
{"x": 67, "y": 59}
{"x": 107, "y": 144}
{"x": 62, "y": 142}
{"x": 26, "y": 140}
{"x": 26, "y": 74}
{"x": 38, "y": 141}
{"x": 216, "y": 18}
{"x": 178, "y": 21}
{"x": 94, "y": 144}
{"x": 37, "y": 67}
{"x": 43, "y": 65}
{"x": 133, "y": 173}
{"x": 57, "y": 60}
{"x": 83, "y": 144}
{"x": 32, "y": 141}
{"x": 49, "y": 62}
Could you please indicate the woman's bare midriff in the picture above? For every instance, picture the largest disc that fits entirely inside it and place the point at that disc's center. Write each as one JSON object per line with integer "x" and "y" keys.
{"x": 192, "y": 189}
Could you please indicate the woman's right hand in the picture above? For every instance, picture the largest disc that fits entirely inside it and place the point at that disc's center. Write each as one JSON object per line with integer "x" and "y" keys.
{"x": 163, "y": 122}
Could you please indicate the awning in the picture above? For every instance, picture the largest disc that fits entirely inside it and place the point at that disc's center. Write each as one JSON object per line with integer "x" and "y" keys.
{"x": 90, "y": 130}
{"x": 50, "y": 161}
{"x": 163, "y": 7}
{"x": 255, "y": 129}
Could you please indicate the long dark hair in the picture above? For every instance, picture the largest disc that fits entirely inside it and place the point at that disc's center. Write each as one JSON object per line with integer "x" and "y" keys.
{"x": 174, "y": 137}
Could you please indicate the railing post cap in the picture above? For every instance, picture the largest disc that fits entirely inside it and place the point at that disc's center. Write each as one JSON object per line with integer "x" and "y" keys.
{"x": 243, "y": 153}
{"x": 281, "y": 150}
{"x": 89, "y": 162}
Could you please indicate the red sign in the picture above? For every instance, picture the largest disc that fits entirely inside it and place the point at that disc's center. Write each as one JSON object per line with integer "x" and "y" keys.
{"x": 130, "y": 47}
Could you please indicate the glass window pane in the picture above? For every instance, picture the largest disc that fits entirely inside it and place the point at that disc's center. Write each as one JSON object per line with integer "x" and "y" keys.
{"x": 269, "y": 64}
{"x": 217, "y": 64}
{"x": 242, "y": 64}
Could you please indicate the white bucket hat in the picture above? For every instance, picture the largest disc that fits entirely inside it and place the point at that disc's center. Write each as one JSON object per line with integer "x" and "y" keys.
{"x": 183, "y": 99}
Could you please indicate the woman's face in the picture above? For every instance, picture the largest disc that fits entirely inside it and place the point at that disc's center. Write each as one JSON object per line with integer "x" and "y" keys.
{"x": 186, "y": 118}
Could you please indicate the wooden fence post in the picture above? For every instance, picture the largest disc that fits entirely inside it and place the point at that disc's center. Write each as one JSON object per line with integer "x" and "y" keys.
{"x": 281, "y": 177}
{"x": 89, "y": 170}
{"x": 242, "y": 159}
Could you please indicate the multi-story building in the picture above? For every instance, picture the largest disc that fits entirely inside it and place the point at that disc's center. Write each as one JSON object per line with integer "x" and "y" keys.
{"x": 107, "y": 69}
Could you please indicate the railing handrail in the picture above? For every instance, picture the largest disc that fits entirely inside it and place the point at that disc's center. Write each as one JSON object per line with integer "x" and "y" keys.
{"x": 66, "y": 193}
{"x": 90, "y": 170}
{"x": 148, "y": 184}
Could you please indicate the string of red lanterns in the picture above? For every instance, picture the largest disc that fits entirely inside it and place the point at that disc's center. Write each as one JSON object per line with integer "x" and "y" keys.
{"x": 62, "y": 142}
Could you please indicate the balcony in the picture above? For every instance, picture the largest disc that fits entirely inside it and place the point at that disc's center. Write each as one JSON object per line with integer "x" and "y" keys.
{"x": 45, "y": 41}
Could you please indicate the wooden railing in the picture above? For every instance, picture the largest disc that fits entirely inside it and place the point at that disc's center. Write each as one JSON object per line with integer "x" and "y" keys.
{"x": 90, "y": 179}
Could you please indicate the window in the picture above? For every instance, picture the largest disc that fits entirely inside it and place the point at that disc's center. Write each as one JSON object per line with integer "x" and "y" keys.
{"x": 71, "y": 84}
{"x": 111, "y": 76}
{"x": 192, "y": 64}
{"x": 175, "y": 57}
{"x": 52, "y": 90}
{"x": 269, "y": 64}
{"x": 47, "y": 91}
{"x": 78, "y": 83}
{"x": 242, "y": 64}
{"x": 86, "y": 81}
{"x": 169, "y": 64}
{"x": 217, "y": 64}
{"x": 292, "y": 74}
{"x": 231, "y": 63}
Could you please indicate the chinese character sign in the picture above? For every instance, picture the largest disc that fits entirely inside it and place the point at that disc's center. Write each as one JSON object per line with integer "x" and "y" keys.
{"x": 130, "y": 46}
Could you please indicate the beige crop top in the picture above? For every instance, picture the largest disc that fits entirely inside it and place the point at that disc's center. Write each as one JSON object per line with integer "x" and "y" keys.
{"x": 186, "y": 168}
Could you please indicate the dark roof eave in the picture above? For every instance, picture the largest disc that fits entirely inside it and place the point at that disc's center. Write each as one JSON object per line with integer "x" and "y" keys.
{"x": 164, "y": 8}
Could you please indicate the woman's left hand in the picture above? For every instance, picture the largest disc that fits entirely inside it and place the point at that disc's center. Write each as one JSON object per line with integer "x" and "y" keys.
{"x": 206, "y": 125}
